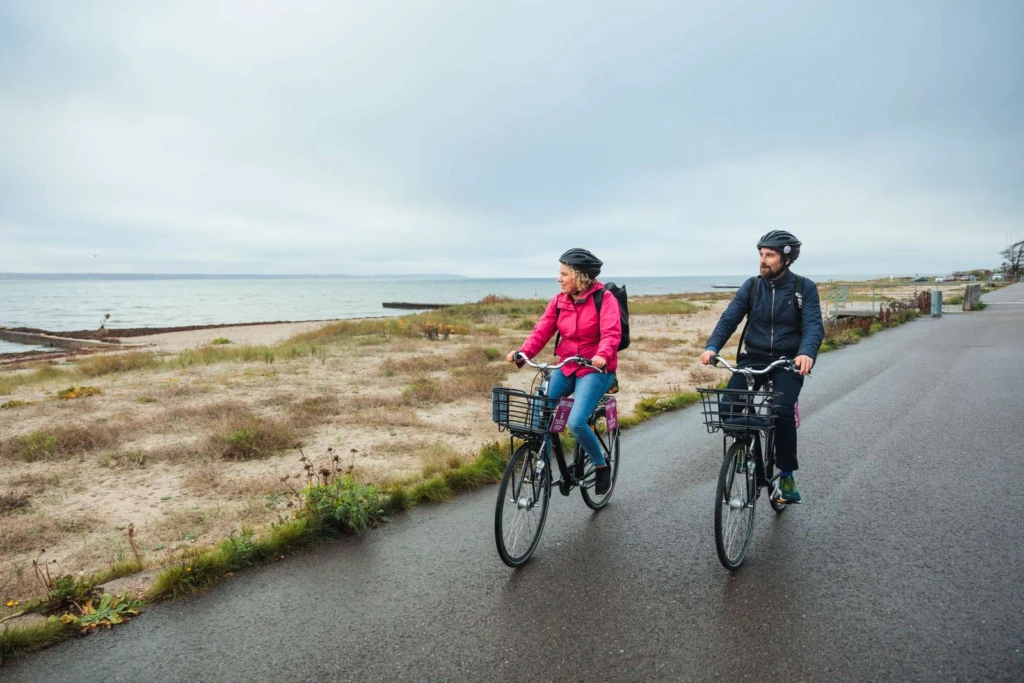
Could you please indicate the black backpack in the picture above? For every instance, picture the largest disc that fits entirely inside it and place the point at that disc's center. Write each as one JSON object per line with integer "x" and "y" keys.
{"x": 620, "y": 294}
{"x": 798, "y": 293}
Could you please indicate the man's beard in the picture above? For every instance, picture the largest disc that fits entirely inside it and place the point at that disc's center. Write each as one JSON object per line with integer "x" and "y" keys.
{"x": 767, "y": 272}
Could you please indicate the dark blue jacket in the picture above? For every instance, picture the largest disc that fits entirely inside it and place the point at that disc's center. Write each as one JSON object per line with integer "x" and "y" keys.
{"x": 777, "y": 328}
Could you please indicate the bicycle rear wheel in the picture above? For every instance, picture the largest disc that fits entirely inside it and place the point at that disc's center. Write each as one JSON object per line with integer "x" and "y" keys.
{"x": 610, "y": 447}
{"x": 522, "y": 508}
{"x": 735, "y": 503}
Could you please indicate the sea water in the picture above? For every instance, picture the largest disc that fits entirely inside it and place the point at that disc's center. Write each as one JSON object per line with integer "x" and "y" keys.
{"x": 64, "y": 302}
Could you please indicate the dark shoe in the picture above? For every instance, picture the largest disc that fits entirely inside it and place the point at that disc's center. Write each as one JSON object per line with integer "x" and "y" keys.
{"x": 602, "y": 480}
{"x": 787, "y": 490}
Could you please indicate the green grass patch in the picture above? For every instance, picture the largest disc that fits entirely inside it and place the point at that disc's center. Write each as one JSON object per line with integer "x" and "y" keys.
{"x": 220, "y": 340}
{"x": 662, "y": 307}
{"x": 34, "y": 446}
{"x": 96, "y": 366}
{"x": 248, "y": 437}
{"x": 19, "y": 640}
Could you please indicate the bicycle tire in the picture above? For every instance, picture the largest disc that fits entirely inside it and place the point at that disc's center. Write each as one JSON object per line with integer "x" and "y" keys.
{"x": 610, "y": 445}
{"x": 522, "y": 507}
{"x": 735, "y": 504}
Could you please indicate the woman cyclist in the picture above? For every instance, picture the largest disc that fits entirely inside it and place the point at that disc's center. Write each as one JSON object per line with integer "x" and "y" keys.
{"x": 585, "y": 333}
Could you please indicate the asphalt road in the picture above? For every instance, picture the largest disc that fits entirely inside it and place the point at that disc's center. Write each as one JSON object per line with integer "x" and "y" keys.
{"x": 903, "y": 564}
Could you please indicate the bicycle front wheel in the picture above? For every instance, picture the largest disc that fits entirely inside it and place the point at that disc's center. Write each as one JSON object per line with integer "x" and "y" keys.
{"x": 522, "y": 509}
{"x": 735, "y": 502}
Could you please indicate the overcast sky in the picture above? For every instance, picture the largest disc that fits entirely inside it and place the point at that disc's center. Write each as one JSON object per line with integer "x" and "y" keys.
{"x": 485, "y": 138}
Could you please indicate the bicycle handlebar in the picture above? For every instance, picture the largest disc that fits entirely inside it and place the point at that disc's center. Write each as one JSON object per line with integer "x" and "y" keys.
{"x": 784, "y": 363}
{"x": 520, "y": 356}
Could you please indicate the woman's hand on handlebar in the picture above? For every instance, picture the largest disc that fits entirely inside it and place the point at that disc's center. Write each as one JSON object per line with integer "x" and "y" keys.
{"x": 803, "y": 364}
{"x": 598, "y": 362}
{"x": 511, "y": 357}
{"x": 707, "y": 357}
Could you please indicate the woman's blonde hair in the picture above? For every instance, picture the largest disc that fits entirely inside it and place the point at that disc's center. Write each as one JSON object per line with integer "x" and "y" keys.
{"x": 583, "y": 281}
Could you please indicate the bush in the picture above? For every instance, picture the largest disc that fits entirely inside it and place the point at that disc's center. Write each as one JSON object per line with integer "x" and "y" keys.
{"x": 252, "y": 437}
{"x": 36, "y": 445}
{"x": 345, "y": 504}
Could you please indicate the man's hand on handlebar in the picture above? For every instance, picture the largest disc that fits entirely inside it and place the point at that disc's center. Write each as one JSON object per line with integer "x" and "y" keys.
{"x": 707, "y": 356}
{"x": 804, "y": 364}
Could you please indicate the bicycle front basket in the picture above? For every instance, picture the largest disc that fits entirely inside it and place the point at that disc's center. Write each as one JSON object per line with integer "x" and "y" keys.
{"x": 739, "y": 409}
{"x": 521, "y": 413}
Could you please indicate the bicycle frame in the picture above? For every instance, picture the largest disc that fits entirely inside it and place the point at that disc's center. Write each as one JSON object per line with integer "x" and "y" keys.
{"x": 764, "y": 459}
{"x": 570, "y": 476}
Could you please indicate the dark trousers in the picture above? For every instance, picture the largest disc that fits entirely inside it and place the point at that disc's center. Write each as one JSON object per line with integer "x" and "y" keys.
{"x": 789, "y": 384}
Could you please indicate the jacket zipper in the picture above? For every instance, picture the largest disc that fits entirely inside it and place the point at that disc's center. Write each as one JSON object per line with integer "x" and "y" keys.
{"x": 771, "y": 340}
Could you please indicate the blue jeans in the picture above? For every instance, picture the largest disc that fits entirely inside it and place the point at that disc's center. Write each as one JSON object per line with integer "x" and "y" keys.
{"x": 588, "y": 391}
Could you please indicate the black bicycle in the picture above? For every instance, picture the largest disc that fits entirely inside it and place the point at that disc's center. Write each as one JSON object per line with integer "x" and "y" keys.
{"x": 746, "y": 418}
{"x": 535, "y": 422}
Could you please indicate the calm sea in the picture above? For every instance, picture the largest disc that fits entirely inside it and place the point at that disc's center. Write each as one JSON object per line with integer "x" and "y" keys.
{"x": 79, "y": 302}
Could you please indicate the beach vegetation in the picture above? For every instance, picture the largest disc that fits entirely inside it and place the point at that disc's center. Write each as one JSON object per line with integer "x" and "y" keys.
{"x": 7, "y": 405}
{"x": 18, "y": 640}
{"x": 74, "y": 392}
{"x": 36, "y": 445}
{"x": 646, "y": 306}
{"x": 109, "y": 611}
{"x": 109, "y": 364}
{"x": 10, "y": 502}
{"x": 220, "y": 340}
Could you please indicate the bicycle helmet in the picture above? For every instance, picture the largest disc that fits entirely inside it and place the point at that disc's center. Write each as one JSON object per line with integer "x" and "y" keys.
{"x": 781, "y": 241}
{"x": 583, "y": 261}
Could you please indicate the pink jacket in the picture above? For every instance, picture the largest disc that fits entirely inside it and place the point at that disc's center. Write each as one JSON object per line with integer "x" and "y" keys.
{"x": 582, "y": 333}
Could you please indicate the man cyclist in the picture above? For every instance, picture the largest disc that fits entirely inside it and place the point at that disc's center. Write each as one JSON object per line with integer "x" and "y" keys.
{"x": 783, "y": 320}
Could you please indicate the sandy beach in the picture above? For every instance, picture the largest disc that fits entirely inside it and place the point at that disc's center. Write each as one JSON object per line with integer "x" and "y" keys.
{"x": 160, "y": 446}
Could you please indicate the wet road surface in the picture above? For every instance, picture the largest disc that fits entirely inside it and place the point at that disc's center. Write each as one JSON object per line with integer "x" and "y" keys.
{"x": 904, "y": 562}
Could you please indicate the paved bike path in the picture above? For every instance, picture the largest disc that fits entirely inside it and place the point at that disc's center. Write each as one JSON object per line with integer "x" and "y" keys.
{"x": 903, "y": 563}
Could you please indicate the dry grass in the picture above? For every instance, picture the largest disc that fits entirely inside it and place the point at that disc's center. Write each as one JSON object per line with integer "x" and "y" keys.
{"x": 657, "y": 343}
{"x": 36, "y": 482}
{"x": 61, "y": 441}
{"x": 165, "y": 433}
{"x": 33, "y": 532}
{"x": 701, "y": 340}
{"x": 9, "y": 502}
{"x": 638, "y": 368}
{"x": 97, "y": 366}
{"x": 184, "y": 525}
{"x": 438, "y": 457}
{"x": 377, "y": 417}
{"x": 314, "y": 410}
{"x": 125, "y": 460}
{"x": 247, "y": 436}
{"x": 703, "y": 375}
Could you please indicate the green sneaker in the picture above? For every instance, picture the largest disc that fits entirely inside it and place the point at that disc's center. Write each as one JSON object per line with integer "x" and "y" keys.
{"x": 787, "y": 491}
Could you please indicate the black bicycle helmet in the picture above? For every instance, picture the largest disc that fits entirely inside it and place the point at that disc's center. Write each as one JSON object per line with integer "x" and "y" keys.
{"x": 583, "y": 261}
{"x": 781, "y": 241}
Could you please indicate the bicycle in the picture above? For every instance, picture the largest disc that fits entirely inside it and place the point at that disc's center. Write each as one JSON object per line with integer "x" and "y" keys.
{"x": 746, "y": 417}
{"x": 525, "y": 489}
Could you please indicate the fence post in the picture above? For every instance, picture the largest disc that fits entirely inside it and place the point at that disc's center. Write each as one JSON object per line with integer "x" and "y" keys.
{"x": 936, "y": 303}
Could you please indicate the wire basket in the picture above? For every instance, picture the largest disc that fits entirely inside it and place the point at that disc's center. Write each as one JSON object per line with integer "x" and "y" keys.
{"x": 521, "y": 413}
{"x": 739, "y": 409}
